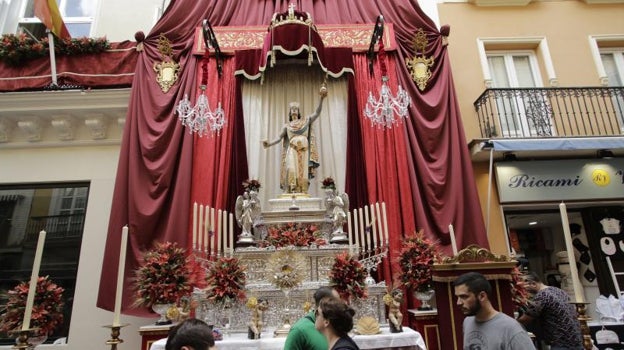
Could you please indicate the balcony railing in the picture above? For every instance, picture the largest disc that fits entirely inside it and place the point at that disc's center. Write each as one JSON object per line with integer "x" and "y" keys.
{"x": 551, "y": 112}
{"x": 57, "y": 227}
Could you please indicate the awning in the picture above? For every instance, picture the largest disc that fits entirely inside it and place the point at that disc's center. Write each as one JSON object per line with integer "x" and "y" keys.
{"x": 558, "y": 144}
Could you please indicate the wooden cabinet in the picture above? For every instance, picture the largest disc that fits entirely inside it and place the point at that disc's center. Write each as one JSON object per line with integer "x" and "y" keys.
{"x": 152, "y": 333}
{"x": 426, "y": 323}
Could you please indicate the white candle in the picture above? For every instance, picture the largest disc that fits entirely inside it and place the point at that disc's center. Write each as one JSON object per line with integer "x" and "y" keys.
{"x": 356, "y": 232}
{"x": 201, "y": 226}
{"x": 380, "y": 225}
{"x": 206, "y": 230}
{"x": 385, "y": 221}
{"x": 362, "y": 232}
{"x": 231, "y": 245}
{"x": 367, "y": 232}
{"x": 224, "y": 233}
{"x": 349, "y": 233}
{"x": 219, "y": 227}
{"x": 120, "y": 275}
{"x": 34, "y": 277}
{"x": 374, "y": 224}
{"x": 453, "y": 242}
{"x": 195, "y": 226}
{"x": 576, "y": 283}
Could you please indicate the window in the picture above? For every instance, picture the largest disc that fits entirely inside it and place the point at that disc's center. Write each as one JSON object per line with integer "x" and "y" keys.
{"x": 77, "y": 15}
{"x": 521, "y": 112}
{"x": 59, "y": 209}
{"x": 613, "y": 62}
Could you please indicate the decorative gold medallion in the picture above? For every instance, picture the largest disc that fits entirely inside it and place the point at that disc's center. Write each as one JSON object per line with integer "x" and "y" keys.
{"x": 419, "y": 65}
{"x": 167, "y": 69}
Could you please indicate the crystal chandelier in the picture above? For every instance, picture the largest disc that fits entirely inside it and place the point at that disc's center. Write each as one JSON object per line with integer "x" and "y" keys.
{"x": 381, "y": 111}
{"x": 200, "y": 118}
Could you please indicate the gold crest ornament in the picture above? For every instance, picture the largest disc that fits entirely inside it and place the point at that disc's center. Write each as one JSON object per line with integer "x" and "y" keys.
{"x": 419, "y": 65}
{"x": 167, "y": 69}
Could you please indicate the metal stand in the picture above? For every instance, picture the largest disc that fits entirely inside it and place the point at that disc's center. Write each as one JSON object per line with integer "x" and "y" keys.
{"x": 581, "y": 310}
{"x": 115, "y": 332}
{"x": 21, "y": 341}
{"x": 370, "y": 263}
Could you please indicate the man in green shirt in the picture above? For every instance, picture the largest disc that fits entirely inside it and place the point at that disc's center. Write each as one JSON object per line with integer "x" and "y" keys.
{"x": 303, "y": 335}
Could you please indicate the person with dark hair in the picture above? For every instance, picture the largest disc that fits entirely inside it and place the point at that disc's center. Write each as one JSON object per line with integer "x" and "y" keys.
{"x": 557, "y": 317}
{"x": 190, "y": 334}
{"x": 334, "y": 319}
{"x": 485, "y": 327}
{"x": 303, "y": 335}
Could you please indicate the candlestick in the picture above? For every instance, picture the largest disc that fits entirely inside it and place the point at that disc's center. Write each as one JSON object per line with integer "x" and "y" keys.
{"x": 195, "y": 226}
{"x": 385, "y": 221}
{"x": 205, "y": 230}
{"x": 231, "y": 245}
{"x": 34, "y": 277}
{"x": 576, "y": 283}
{"x": 453, "y": 242}
{"x": 120, "y": 275}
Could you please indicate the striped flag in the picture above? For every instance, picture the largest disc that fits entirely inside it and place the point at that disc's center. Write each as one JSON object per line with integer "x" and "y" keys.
{"x": 48, "y": 12}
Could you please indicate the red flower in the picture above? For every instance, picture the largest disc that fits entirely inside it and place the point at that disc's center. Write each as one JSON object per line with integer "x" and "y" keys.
{"x": 166, "y": 275}
{"x": 292, "y": 234}
{"x": 347, "y": 275}
{"x": 328, "y": 182}
{"x": 226, "y": 280}
{"x": 47, "y": 313}
{"x": 251, "y": 185}
{"x": 416, "y": 257}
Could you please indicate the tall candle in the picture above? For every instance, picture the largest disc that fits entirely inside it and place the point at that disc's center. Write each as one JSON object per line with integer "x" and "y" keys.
{"x": 205, "y": 230}
{"x": 219, "y": 226}
{"x": 453, "y": 242}
{"x": 213, "y": 227}
{"x": 374, "y": 228}
{"x": 367, "y": 231}
{"x": 225, "y": 233}
{"x": 200, "y": 233}
{"x": 195, "y": 226}
{"x": 379, "y": 225}
{"x": 576, "y": 283}
{"x": 385, "y": 221}
{"x": 231, "y": 245}
{"x": 362, "y": 232}
{"x": 120, "y": 275}
{"x": 34, "y": 277}
{"x": 349, "y": 233}
{"x": 356, "y": 231}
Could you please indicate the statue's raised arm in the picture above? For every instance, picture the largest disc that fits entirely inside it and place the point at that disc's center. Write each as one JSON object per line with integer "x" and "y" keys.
{"x": 299, "y": 152}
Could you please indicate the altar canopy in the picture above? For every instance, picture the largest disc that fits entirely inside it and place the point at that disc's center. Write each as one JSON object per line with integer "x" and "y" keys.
{"x": 420, "y": 168}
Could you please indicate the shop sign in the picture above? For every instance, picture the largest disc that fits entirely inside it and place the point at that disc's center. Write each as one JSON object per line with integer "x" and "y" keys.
{"x": 576, "y": 179}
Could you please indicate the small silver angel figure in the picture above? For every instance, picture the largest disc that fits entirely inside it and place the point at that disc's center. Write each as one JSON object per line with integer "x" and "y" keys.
{"x": 245, "y": 217}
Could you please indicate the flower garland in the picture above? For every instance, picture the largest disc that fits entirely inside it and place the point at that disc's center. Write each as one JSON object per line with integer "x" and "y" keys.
{"x": 519, "y": 293}
{"x": 166, "y": 275}
{"x": 226, "y": 280}
{"x": 17, "y": 49}
{"x": 417, "y": 256}
{"x": 293, "y": 234}
{"x": 287, "y": 269}
{"x": 347, "y": 275}
{"x": 47, "y": 313}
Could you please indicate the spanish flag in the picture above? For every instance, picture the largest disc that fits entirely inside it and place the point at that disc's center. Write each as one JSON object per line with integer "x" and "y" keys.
{"x": 48, "y": 12}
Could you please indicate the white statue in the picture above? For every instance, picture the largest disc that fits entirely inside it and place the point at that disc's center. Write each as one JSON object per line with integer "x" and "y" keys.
{"x": 247, "y": 210}
{"x": 337, "y": 206}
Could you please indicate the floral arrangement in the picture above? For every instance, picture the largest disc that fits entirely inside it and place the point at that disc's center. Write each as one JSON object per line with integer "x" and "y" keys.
{"x": 287, "y": 269}
{"x": 415, "y": 259}
{"x": 293, "y": 234}
{"x": 226, "y": 280}
{"x": 47, "y": 313}
{"x": 347, "y": 275}
{"x": 16, "y": 49}
{"x": 251, "y": 185}
{"x": 328, "y": 182}
{"x": 166, "y": 275}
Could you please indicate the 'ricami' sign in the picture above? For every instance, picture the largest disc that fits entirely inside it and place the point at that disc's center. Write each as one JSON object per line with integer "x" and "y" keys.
{"x": 549, "y": 180}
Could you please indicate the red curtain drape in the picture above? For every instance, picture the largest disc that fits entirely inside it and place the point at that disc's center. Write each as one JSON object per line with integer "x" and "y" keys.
{"x": 421, "y": 169}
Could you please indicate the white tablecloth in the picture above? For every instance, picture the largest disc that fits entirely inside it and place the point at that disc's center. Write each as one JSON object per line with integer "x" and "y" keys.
{"x": 239, "y": 341}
